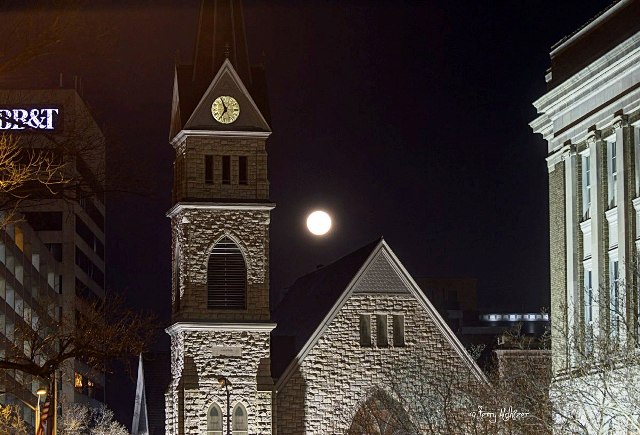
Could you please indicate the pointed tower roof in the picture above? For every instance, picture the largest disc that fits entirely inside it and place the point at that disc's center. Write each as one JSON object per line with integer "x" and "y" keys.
{"x": 220, "y": 36}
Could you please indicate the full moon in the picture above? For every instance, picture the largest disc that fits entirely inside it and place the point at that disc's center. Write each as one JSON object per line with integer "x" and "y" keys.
{"x": 319, "y": 223}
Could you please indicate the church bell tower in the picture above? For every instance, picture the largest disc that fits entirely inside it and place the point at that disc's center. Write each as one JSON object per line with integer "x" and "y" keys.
{"x": 220, "y": 331}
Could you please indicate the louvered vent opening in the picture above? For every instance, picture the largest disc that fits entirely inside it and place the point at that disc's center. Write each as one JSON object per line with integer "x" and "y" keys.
{"x": 226, "y": 277}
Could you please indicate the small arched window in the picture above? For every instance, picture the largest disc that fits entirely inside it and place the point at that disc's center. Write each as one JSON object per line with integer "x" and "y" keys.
{"x": 226, "y": 277}
{"x": 214, "y": 420}
{"x": 239, "y": 420}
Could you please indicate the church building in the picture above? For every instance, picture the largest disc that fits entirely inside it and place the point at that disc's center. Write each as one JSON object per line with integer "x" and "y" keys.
{"x": 340, "y": 333}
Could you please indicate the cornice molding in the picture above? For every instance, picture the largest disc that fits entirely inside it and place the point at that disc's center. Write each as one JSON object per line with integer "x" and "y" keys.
{"x": 219, "y": 326}
{"x": 219, "y": 133}
{"x": 219, "y": 206}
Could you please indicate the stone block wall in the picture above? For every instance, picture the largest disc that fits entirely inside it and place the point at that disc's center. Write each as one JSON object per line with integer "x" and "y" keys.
{"x": 189, "y": 169}
{"x": 195, "y": 232}
{"x": 199, "y": 358}
{"x": 323, "y": 393}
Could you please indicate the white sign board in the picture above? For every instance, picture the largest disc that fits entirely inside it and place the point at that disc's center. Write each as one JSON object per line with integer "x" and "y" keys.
{"x": 29, "y": 119}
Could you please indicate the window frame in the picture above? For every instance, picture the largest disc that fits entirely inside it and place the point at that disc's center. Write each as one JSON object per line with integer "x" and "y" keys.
{"x": 210, "y": 423}
{"x": 234, "y": 423}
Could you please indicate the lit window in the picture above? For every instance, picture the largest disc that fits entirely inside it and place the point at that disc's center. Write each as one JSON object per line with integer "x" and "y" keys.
{"x": 398, "y": 330}
{"x": 226, "y": 277}
{"x": 242, "y": 170}
{"x": 19, "y": 238}
{"x": 226, "y": 169}
{"x": 240, "y": 426}
{"x": 208, "y": 169}
{"x": 214, "y": 420}
{"x": 381, "y": 330}
{"x": 77, "y": 382}
{"x": 365, "y": 330}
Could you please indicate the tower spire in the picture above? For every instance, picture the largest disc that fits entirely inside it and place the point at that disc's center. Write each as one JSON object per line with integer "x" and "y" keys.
{"x": 221, "y": 35}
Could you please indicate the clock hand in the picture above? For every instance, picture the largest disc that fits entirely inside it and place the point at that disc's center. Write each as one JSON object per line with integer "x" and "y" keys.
{"x": 223, "y": 105}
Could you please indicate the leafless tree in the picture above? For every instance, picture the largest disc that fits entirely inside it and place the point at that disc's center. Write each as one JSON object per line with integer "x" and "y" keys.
{"x": 423, "y": 398}
{"x": 11, "y": 422}
{"x": 78, "y": 419}
{"x": 597, "y": 388}
{"x": 101, "y": 331}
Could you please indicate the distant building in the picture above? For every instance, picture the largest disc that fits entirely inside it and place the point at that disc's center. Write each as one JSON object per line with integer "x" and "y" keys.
{"x": 30, "y": 298}
{"x": 455, "y": 299}
{"x": 590, "y": 118}
{"x": 65, "y": 232}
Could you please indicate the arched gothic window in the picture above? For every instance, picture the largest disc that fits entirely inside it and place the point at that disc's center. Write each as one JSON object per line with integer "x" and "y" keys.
{"x": 226, "y": 277}
{"x": 239, "y": 420}
{"x": 380, "y": 415}
{"x": 214, "y": 420}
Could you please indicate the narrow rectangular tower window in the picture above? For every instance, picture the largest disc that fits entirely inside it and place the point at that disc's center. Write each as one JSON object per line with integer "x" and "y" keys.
{"x": 242, "y": 170}
{"x": 208, "y": 169}
{"x": 381, "y": 330}
{"x": 226, "y": 169}
{"x": 365, "y": 330}
{"x": 398, "y": 330}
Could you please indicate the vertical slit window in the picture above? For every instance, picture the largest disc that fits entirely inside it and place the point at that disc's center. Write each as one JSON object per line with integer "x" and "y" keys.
{"x": 365, "y": 330}
{"x": 242, "y": 170}
{"x": 586, "y": 186}
{"x": 613, "y": 174}
{"x": 226, "y": 277}
{"x": 381, "y": 330}
{"x": 208, "y": 169}
{"x": 398, "y": 330}
{"x": 226, "y": 169}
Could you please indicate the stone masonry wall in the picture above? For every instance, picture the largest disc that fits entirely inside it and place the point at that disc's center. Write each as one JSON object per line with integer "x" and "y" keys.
{"x": 205, "y": 357}
{"x": 323, "y": 393}
{"x": 190, "y": 164}
{"x": 195, "y": 231}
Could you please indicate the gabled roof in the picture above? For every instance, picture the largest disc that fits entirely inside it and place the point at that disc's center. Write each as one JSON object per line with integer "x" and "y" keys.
{"x": 190, "y": 98}
{"x": 308, "y": 301}
{"x": 315, "y": 299}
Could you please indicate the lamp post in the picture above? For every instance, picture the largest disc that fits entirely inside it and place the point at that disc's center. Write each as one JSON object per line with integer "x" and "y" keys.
{"x": 36, "y": 409}
{"x": 41, "y": 392}
{"x": 224, "y": 382}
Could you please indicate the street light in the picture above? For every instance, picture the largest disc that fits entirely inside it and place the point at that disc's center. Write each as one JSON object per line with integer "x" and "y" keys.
{"x": 224, "y": 382}
{"x": 41, "y": 392}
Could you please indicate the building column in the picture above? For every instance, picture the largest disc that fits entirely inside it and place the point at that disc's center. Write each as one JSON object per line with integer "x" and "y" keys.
{"x": 598, "y": 158}
{"x": 625, "y": 188}
{"x": 571, "y": 234}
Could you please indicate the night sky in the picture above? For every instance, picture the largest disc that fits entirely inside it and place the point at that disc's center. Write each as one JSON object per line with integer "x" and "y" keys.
{"x": 407, "y": 120}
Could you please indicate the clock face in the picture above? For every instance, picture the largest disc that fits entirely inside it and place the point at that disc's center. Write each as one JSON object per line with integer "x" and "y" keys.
{"x": 225, "y": 109}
